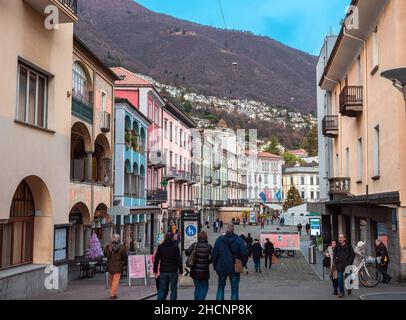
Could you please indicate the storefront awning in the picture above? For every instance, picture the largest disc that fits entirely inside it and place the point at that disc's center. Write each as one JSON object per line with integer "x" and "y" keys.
{"x": 131, "y": 211}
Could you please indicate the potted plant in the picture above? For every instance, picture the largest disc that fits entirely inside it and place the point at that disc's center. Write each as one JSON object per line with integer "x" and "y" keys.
{"x": 127, "y": 139}
{"x": 134, "y": 142}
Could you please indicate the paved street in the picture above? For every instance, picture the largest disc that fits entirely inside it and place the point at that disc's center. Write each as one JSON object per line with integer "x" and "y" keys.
{"x": 292, "y": 278}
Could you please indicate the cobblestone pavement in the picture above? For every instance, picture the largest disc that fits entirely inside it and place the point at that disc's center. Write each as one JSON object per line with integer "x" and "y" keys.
{"x": 291, "y": 278}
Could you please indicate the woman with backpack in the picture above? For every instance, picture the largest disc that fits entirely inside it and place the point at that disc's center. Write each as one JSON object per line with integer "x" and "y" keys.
{"x": 199, "y": 259}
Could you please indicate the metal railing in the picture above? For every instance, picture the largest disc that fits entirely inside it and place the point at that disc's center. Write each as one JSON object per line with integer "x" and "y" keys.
{"x": 81, "y": 108}
{"x": 157, "y": 195}
{"x": 351, "y": 96}
{"x": 330, "y": 126}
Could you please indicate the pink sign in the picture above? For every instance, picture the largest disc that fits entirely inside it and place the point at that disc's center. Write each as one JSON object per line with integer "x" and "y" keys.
{"x": 150, "y": 265}
{"x": 136, "y": 267}
{"x": 282, "y": 240}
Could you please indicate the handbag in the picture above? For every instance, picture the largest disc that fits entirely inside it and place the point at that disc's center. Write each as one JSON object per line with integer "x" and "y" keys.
{"x": 238, "y": 267}
{"x": 191, "y": 260}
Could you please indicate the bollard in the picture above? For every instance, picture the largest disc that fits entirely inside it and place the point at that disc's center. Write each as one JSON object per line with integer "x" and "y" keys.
{"x": 312, "y": 254}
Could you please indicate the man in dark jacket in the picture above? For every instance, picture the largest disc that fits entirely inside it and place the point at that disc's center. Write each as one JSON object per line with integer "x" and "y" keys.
{"x": 249, "y": 241}
{"x": 227, "y": 249}
{"x": 299, "y": 229}
{"x": 200, "y": 270}
{"x": 382, "y": 254}
{"x": 269, "y": 251}
{"x": 257, "y": 255}
{"x": 116, "y": 255}
{"x": 344, "y": 256}
{"x": 170, "y": 262}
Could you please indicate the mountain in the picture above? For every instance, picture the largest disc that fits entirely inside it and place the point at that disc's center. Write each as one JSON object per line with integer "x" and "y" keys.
{"x": 212, "y": 61}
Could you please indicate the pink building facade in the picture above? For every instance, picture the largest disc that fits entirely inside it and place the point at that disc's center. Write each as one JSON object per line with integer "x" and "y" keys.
{"x": 180, "y": 172}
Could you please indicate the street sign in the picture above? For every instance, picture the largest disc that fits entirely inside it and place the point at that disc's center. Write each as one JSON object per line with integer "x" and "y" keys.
{"x": 190, "y": 233}
{"x": 315, "y": 227}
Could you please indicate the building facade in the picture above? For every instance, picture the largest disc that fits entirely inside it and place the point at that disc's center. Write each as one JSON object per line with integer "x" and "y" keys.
{"x": 305, "y": 179}
{"x": 91, "y": 150}
{"x": 131, "y": 128}
{"x": 367, "y": 185}
{"x": 34, "y": 145}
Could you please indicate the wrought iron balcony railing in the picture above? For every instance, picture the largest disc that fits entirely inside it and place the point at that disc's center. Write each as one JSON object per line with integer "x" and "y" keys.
{"x": 330, "y": 126}
{"x": 351, "y": 100}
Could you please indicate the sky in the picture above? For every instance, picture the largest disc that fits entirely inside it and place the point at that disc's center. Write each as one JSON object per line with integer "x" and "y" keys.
{"x": 300, "y": 24}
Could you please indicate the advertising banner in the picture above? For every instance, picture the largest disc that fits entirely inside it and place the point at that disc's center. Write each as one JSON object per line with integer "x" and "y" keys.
{"x": 136, "y": 267}
{"x": 282, "y": 240}
{"x": 315, "y": 227}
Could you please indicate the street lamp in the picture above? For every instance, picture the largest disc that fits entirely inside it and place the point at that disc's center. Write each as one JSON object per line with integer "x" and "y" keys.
{"x": 398, "y": 78}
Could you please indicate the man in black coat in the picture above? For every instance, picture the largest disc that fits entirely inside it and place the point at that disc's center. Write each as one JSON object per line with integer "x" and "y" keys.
{"x": 269, "y": 251}
{"x": 382, "y": 254}
{"x": 168, "y": 259}
{"x": 344, "y": 256}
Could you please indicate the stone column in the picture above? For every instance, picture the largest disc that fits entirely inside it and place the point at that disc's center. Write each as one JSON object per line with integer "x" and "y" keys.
{"x": 79, "y": 243}
{"x": 89, "y": 166}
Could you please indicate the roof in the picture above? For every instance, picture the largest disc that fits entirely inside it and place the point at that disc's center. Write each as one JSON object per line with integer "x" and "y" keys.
{"x": 268, "y": 155}
{"x": 172, "y": 107}
{"x": 129, "y": 78}
{"x": 79, "y": 42}
{"x": 124, "y": 100}
{"x": 298, "y": 151}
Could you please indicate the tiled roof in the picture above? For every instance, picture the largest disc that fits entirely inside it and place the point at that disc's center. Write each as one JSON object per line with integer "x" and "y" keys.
{"x": 130, "y": 78}
{"x": 268, "y": 155}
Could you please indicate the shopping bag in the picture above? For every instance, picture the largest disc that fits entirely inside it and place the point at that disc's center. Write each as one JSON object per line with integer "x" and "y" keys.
{"x": 186, "y": 280}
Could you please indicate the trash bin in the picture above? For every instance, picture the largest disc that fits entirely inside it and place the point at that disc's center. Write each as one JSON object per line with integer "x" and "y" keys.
{"x": 312, "y": 254}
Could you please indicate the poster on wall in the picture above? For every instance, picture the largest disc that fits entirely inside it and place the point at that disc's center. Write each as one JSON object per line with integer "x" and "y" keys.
{"x": 136, "y": 268}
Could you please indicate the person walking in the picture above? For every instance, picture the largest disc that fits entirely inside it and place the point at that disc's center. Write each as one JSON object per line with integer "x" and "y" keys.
{"x": 383, "y": 257}
{"x": 249, "y": 241}
{"x": 244, "y": 221}
{"x": 307, "y": 227}
{"x": 257, "y": 255}
{"x": 269, "y": 251}
{"x": 329, "y": 256}
{"x": 200, "y": 272}
{"x": 229, "y": 257}
{"x": 299, "y": 229}
{"x": 168, "y": 259}
{"x": 343, "y": 257}
{"x": 117, "y": 258}
{"x": 221, "y": 225}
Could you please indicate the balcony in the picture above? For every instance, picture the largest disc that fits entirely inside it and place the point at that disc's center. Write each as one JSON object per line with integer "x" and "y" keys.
{"x": 175, "y": 204}
{"x": 189, "y": 204}
{"x": 182, "y": 177}
{"x": 208, "y": 203}
{"x": 224, "y": 184}
{"x": 330, "y": 126}
{"x": 68, "y": 9}
{"x": 157, "y": 195}
{"x": 219, "y": 203}
{"x": 105, "y": 122}
{"x": 208, "y": 180}
{"x": 351, "y": 101}
{"x": 216, "y": 183}
{"x": 194, "y": 179}
{"x": 339, "y": 186}
{"x": 156, "y": 159}
{"x": 82, "y": 109}
{"x": 170, "y": 173}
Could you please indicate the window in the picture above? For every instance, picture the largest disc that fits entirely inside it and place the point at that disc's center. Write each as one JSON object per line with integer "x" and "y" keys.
{"x": 359, "y": 79}
{"x": 166, "y": 128}
{"x": 60, "y": 244}
{"x": 311, "y": 180}
{"x": 291, "y": 181}
{"x": 312, "y": 194}
{"x": 302, "y": 180}
{"x": 150, "y": 109}
{"x": 359, "y": 160}
{"x": 170, "y": 132}
{"x": 337, "y": 164}
{"x": 265, "y": 178}
{"x": 376, "y": 153}
{"x": 17, "y": 235}
{"x": 302, "y": 194}
{"x": 32, "y": 96}
{"x": 347, "y": 162}
{"x": 180, "y": 137}
{"x": 375, "y": 51}
{"x": 156, "y": 116}
{"x": 79, "y": 83}
{"x": 103, "y": 101}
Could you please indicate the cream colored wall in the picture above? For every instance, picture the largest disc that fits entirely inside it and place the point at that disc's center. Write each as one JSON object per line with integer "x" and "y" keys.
{"x": 26, "y": 151}
{"x": 383, "y": 106}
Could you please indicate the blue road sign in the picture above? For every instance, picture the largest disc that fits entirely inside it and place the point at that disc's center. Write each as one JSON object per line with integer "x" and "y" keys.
{"x": 191, "y": 230}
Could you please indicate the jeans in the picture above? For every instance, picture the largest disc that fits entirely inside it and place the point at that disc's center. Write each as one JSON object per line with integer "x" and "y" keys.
{"x": 257, "y": 264}
{"x": 234, "y": 281}
{"x": 201, "y": 289}
{"x": 166, "y": 280}
{"x": 341, "y": 281}
{"x": 267, "y": 256}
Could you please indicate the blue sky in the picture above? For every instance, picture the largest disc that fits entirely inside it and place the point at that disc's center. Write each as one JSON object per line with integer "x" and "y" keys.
{"x": 301, "y": 24}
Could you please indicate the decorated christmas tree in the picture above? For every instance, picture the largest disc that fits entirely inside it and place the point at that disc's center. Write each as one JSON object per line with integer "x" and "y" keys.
{"x": 293, "y": 199}
{"x": 94, "y": 250}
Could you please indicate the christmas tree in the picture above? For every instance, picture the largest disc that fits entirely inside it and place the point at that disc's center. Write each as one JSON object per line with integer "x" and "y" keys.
{"x": 293, "y": 199}
{"x": 95, "y": 250}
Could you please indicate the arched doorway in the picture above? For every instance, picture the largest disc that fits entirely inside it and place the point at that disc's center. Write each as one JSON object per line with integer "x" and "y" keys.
{"x": 80, "y": 233}
{"x": 80, "y": 148}
{"x": 102, "y": 224}
{"x": 17, "y": 235}
{"x": 102, "y": 161}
